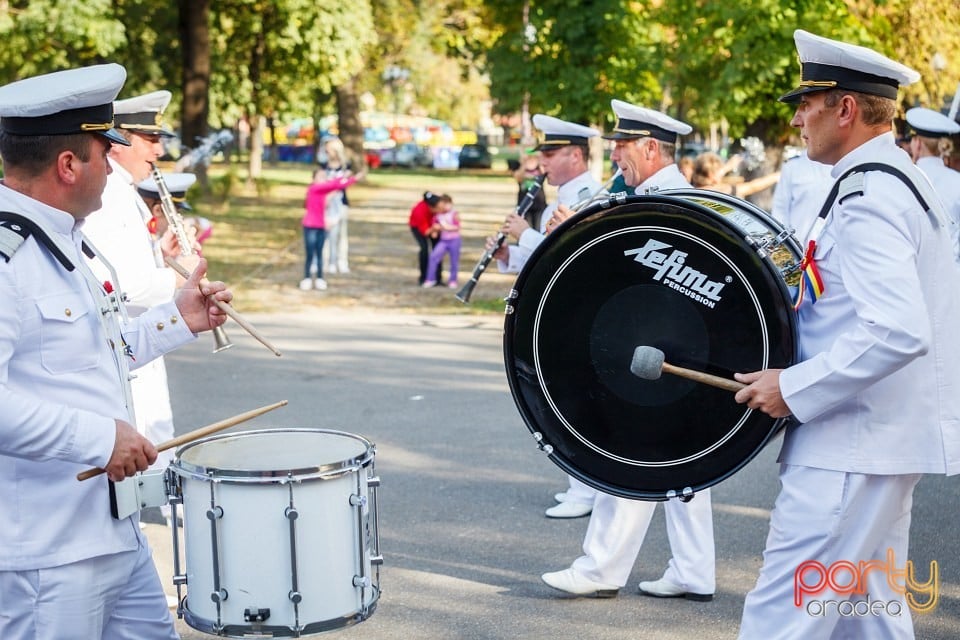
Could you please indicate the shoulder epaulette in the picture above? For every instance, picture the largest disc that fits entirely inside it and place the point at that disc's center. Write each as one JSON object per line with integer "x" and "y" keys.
{"x": 16, "y": 228}
{"x": 12, "y": 235}
{"x": 849, "y": 186}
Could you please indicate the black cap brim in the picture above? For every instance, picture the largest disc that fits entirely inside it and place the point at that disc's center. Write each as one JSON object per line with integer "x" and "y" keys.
{"x": 793, "y": 97}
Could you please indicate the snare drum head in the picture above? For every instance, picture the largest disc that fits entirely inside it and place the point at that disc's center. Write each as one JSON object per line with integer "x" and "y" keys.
{"x": 664, "y": 272}
{"x": 273, "y": 451}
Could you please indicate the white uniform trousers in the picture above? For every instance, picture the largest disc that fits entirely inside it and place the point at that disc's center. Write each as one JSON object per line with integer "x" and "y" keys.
{"x": 580, "y": 492}
{"x": 616, "y": 531}
{"x": 828, "y": 517}
{"x": 113, "y": 597}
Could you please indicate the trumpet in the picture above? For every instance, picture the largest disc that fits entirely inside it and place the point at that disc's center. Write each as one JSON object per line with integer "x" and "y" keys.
{"x": 467, "y": 290}
{"x": 586, "y": 202}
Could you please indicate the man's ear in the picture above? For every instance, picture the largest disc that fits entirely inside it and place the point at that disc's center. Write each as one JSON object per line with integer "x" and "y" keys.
{"x": 67, "y": 165}
{"x": 847, "y": 110}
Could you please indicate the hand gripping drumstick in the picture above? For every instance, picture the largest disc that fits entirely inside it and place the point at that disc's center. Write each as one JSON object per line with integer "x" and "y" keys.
{"x": 648, "y": 364}
{"x": 227, "y": 309}
{"x": 197, "y": 434}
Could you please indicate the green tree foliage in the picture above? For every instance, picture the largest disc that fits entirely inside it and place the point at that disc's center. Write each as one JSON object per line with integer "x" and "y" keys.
{"x": 40, "y": 36}
{"x": 280, "y": 53}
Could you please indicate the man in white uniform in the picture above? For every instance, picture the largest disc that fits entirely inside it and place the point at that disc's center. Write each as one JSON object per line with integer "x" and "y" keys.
{"x": 875, "y": 392}
{"x": 120, "y": 233}
{"x": 928, "y": 147}
{"x": 645, "y": 150}
{"x": 800, "y": 192}
{"x": 68, "y": 569}
{"x": 564, "y": 157}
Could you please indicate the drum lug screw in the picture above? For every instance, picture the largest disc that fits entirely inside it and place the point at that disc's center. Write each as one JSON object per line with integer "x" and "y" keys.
{"x": 361, "y": 581}
{"x": 219, "y": 596}
{"x": 375, "y": 560}
{"x": 295, "y": 597}
{"x": 180, "y": 579}
{"x": 358, "y": 501}
{"x": 215, "y": 513}
{"x": 291, "y": 513}
{"x": 373, "y": 481}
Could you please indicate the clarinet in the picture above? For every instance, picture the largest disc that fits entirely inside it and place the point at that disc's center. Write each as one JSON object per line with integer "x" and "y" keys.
{"x": 174, "y": 219}
{"x": 464, "y": 294}
{"x": 175, "y": 223}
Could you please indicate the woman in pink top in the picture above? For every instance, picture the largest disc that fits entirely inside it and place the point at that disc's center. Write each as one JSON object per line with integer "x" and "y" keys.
{"x": 314, "y": 225}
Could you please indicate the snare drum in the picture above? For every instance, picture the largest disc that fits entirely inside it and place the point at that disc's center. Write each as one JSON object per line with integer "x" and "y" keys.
{"x": 280, "y": 532}
{"x": 706, "y": 278}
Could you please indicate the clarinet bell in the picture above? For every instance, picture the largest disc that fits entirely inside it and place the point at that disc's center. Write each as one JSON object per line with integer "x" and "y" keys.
{"x": 466, "y": 291}
{"x": 220, "y": 340}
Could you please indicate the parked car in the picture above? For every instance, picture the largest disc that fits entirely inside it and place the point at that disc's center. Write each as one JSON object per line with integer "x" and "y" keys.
{"x": 407, "y": 154}
{"x": 475, "y": 156}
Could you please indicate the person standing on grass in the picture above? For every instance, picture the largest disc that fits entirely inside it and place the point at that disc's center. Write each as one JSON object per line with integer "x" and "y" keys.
{"x": 314, "y": 223}
{"x": 447, "y": 225}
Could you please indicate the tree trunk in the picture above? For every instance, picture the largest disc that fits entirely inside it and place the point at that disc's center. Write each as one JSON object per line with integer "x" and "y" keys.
{"x": 256, "y": 148}
{"x": 194, "y": 30}
{"x": 351, "y": 129}
{"x": 256, "y": 120}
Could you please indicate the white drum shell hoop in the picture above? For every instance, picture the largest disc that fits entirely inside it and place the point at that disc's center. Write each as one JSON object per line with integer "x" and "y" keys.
{"x": 280, "y": 532}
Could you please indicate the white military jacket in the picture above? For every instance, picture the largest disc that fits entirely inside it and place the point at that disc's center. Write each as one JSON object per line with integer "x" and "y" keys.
{"x": 60, "y": 391}
{"x": 878, "y": 387}
{"x": 669, "y": 177}
{"x": 946, "y": 182}
{"x": 119, "y": 231}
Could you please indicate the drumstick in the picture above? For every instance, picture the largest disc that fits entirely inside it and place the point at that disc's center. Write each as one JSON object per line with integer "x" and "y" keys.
{"x": 226, "y": 308}
{"x": 197, "y": 434}
{"x": 648, "y": 364}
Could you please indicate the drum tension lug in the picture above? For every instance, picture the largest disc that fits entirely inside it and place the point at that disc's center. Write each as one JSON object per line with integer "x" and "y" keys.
{"x": 256, "y": 615}
{"x": 358, "y": 501}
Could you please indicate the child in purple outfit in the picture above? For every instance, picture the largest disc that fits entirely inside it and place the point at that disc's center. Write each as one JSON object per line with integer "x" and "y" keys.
{"x": 447, "y": 224}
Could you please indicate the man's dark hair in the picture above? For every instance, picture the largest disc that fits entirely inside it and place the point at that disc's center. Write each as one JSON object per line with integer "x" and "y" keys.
{"x": 34, "y": 154}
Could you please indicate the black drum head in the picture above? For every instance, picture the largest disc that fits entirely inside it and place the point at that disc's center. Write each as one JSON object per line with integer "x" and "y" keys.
{"x": 660, "y": 272}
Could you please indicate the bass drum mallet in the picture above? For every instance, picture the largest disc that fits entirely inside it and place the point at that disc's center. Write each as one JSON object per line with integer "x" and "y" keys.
{"x": 648, "y": 363}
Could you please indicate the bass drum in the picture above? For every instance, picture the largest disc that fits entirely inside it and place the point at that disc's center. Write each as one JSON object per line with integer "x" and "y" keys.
{"x": 707, "y": 279}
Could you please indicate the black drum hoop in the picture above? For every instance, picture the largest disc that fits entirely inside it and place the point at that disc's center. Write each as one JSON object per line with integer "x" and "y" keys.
{"x": 692, "y": 201}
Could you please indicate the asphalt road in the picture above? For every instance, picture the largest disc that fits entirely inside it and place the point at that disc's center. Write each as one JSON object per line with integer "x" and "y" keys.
{"x": 464, "y": 486}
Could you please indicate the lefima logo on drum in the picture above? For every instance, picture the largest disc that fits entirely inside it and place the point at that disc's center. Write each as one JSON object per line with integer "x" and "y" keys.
{"x": 672, "y": 270}
{"x": 847, "y": 580}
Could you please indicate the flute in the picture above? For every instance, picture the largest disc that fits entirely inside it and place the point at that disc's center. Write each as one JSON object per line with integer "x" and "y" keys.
{"x": 464, "y": 294}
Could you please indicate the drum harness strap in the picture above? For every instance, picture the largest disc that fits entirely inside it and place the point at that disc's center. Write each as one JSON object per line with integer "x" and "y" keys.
{"x": 848, "y": 185}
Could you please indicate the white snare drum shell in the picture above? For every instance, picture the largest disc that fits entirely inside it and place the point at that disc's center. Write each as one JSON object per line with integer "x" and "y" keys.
{"x": 255, "y": 485}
